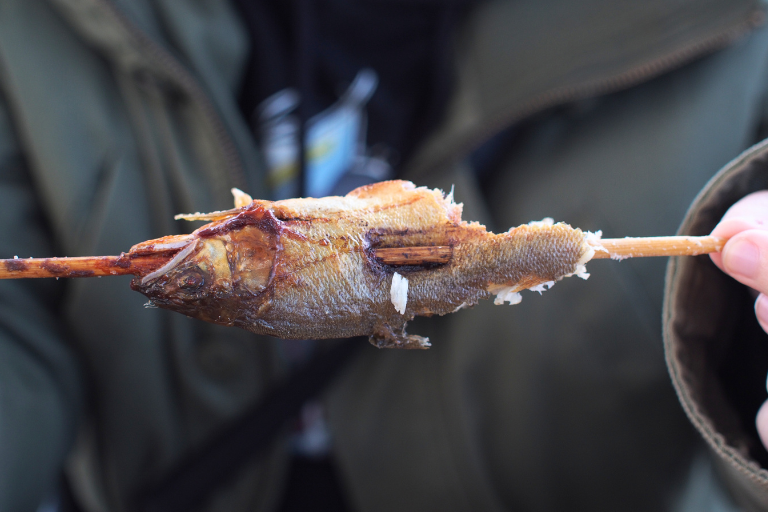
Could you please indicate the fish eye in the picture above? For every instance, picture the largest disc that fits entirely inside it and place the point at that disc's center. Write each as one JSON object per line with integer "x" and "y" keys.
{"x": 191, "y": 281}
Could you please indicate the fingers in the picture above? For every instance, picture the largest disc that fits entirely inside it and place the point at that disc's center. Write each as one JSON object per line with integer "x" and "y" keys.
{"x": 750, "y": 213}
{"x": 745, "y": 255}
{"x": 745, "y": 258}
{"x": 762, "y": 423}
{"x": 761, "y": 311}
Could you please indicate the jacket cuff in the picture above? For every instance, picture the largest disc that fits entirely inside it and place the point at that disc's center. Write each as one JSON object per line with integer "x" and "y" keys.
{"x": 716, "y": 353}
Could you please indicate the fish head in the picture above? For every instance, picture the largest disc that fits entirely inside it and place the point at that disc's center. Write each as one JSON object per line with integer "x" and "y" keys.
{"x": 196, "y": 281}
{"x": 218, "y": 276}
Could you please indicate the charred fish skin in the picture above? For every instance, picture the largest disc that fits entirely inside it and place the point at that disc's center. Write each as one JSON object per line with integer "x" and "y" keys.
{"x": 305, "y": 268}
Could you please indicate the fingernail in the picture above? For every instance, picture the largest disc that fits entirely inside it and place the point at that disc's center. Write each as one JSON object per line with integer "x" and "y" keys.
{"x": 743, "y": 257}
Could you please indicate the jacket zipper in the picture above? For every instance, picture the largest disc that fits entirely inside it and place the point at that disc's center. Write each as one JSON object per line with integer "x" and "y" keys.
{"x": 232, "y": 160}
{"x": 597, "y": 87}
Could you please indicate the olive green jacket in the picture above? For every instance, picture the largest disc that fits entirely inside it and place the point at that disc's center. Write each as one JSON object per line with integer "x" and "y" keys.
{"x": 116, "y": 114}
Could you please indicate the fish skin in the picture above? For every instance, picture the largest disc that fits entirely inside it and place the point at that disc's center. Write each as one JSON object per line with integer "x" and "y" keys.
{"x": 305, "y": 268}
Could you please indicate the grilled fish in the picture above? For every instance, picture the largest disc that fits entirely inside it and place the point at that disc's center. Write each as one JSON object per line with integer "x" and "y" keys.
{"x": 307, "y": 268}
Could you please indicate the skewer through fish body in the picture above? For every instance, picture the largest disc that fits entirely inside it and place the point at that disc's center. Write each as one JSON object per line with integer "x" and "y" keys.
{"x": 362, "y": 264}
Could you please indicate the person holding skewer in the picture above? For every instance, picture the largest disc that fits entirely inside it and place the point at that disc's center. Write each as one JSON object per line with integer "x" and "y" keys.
{"x": 625, "y": 117}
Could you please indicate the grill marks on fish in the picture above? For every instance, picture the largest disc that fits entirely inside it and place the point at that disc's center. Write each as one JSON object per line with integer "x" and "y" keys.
{"x": 307, "y": 268}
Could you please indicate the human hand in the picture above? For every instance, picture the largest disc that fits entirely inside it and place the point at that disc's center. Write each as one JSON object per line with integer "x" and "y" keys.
{"x": 745, "y": 258}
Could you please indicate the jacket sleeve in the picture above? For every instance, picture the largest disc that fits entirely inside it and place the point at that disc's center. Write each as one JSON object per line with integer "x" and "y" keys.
{"x": 716, "y": 352}
{"x": 40, "y": 391}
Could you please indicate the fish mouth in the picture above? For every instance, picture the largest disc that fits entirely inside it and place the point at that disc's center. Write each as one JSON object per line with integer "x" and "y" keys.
{"x": 161, "y": 254}
{"x": 177, "y": 258}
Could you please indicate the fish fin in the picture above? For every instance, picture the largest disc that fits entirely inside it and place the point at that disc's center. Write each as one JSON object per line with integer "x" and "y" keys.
{"x": 393, "y": 187}
{"x": 220, "y": 215}
{"x": 241, "y": 198}
{"x": 385, "y": 337}
{"x": 225, "y": 214}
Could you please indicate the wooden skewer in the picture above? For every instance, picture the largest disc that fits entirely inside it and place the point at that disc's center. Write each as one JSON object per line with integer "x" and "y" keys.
{"x": 414, "y": 255}
{"x": 615, "y": 248}
{"x": 93, "y": 266}
{"x": 620, "y": 248}
{"x": 88, "y": 266}
{"x": 96, "y": 266}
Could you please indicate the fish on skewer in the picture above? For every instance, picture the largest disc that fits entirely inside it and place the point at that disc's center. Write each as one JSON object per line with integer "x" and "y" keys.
{"x": 362, "y": 264}
{"x": 306, "y": 268}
